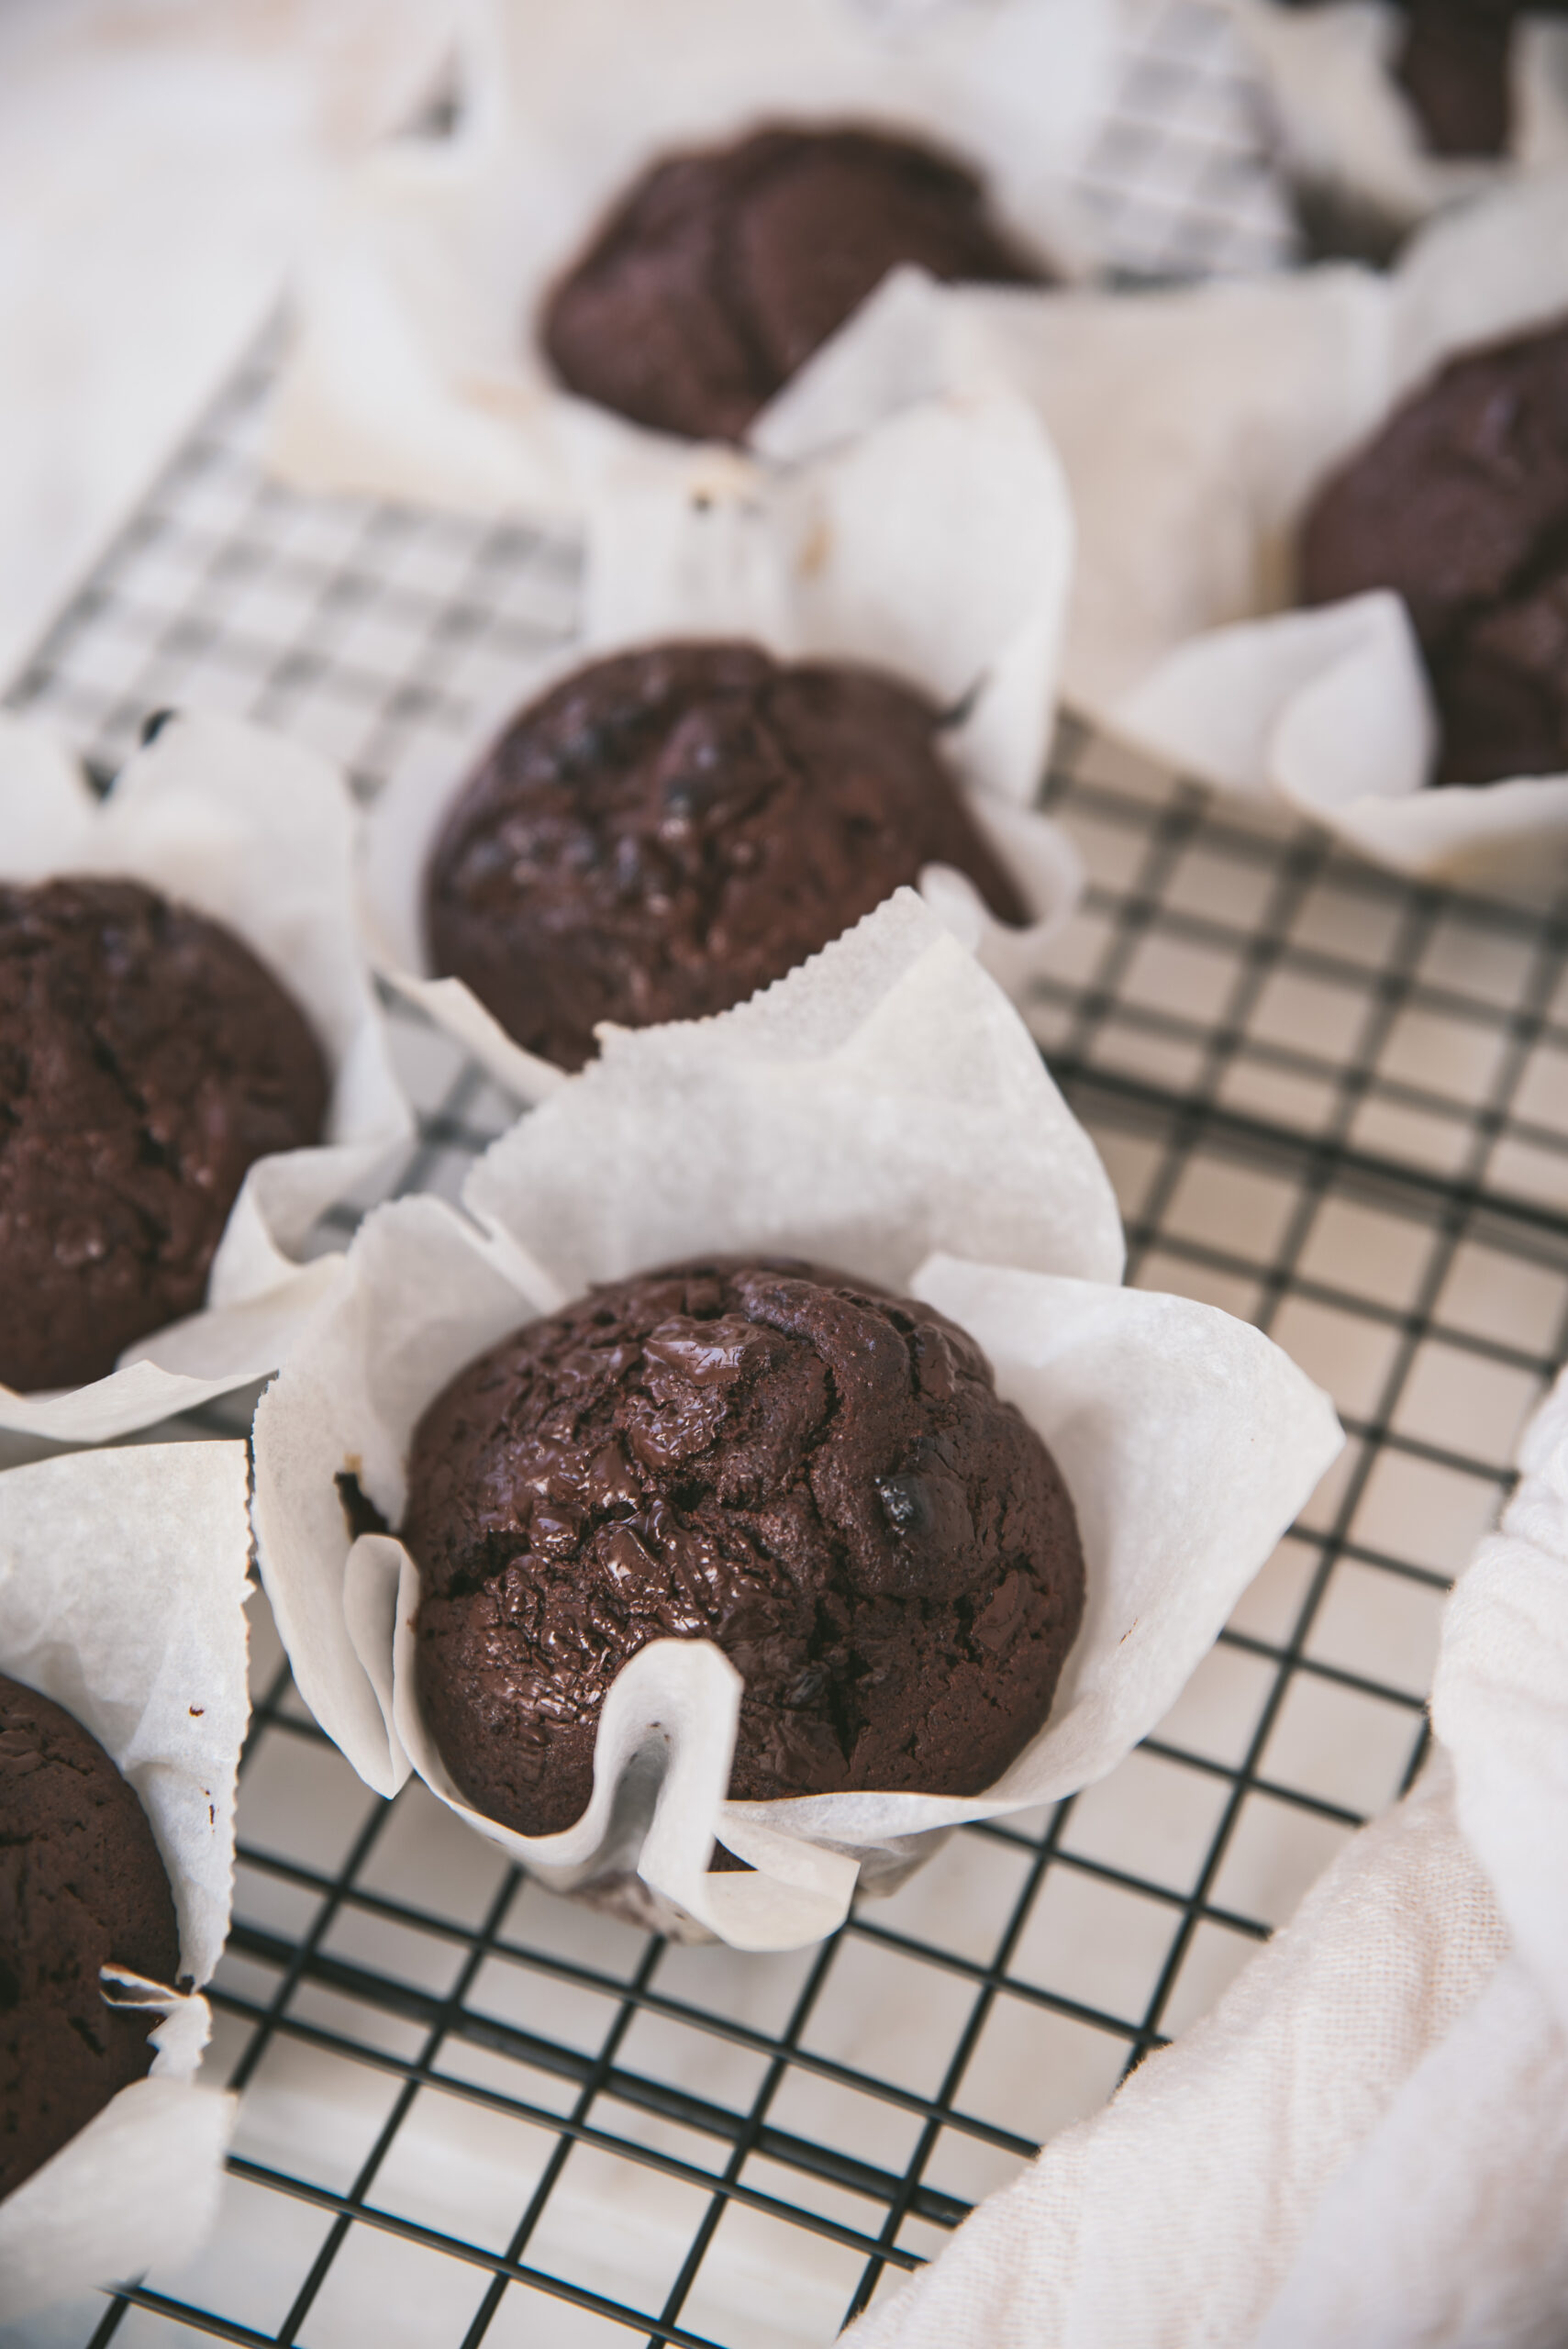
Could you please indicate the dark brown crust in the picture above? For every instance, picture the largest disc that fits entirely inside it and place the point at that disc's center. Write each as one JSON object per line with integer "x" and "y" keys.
{"x": 818, "y": 1476}
{"x": 1461, "y": 506}
{"x": 668, "y": 830}
{"x": 147, "y": 1060}
{"x": 722, "y": 270}
{"x": 80, "y": 1887}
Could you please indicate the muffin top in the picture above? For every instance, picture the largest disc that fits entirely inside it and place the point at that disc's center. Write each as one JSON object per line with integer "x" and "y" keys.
{"x": 818, "y": 1476}
{"x": 672, "y": 828}
{"x": 1460, "y": 504}
{"x": 147, "y": 1060}
{"x": 80, "y": 1887}
{"x": 722, "y": 270}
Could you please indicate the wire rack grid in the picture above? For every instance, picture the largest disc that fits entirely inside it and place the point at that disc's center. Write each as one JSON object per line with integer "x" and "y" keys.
{"x": 1332, "y": 1104}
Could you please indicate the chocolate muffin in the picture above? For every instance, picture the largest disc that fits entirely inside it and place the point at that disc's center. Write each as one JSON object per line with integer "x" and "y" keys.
{"x": 146, "y": 1060}
{"x": 818, "y": 1476}
{"x": 1461, "y": 505}
{"x": 668, "y": 830}
{"x": 722, "y": 270}
{"x": 80, "y": 1887}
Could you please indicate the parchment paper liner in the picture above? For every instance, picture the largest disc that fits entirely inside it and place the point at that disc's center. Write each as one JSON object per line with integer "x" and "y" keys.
{"x": 884, "y": 1110}
{"x": 122, "y": 1596}
{"x": 1348, "y": 133}
{"x": 1193, "y": 427}
{"x": 412, "y": 374}
{"x": 257, "y": 833}
{"x": 937, "y": 546}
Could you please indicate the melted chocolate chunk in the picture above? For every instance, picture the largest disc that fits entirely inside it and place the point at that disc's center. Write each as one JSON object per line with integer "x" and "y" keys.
{"x": 818, "y": 1476}
{"x": 80, "y": 1887}
{"x": 147, "y": 1060}
{"x": 668, "y": 830}
{"x": 722, "y": 271}
{"x": 1461, "y": 506}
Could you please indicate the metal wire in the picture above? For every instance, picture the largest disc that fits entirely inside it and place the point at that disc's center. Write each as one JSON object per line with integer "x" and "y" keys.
{"x": 1330, "y": 1102}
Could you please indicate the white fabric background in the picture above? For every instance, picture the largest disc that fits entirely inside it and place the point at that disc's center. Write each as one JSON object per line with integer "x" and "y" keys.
{"x": 162, "y": 162}
{"x": 1366, "y": 2141}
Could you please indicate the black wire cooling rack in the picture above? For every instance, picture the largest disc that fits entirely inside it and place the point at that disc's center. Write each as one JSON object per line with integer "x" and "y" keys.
{"x": 1334, "y": 1105}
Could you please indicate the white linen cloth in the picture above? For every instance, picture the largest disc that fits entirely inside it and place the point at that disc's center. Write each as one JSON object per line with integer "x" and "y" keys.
{"x": 1366, "y": 2141}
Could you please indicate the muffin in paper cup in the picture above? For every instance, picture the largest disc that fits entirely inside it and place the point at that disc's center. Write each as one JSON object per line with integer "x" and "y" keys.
{"x": 122, "y": 1598}
{"x": 416, "y": 372}
{"x": 1352, "y": 139}
{"x": 884, "y": 1111}
{"x": 254, "y": 833}
{"x": 1194, "y": 427}
{"x": 936, "y": 548}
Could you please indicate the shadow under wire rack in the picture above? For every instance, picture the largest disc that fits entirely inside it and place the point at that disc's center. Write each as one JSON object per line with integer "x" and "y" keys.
{"x": 1330, "y": 1102}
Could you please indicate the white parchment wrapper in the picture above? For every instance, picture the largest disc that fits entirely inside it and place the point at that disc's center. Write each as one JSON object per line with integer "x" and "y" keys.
{"x": 414, "y": 373}
{"x": 122, "y": 1597}
{"x": 882, "y": 1109}
{"x": 1348, "y": 131}
{"x": 257, "y": 833}
{"x": 1194, "y": 427}
{"x": 936, "y": 546}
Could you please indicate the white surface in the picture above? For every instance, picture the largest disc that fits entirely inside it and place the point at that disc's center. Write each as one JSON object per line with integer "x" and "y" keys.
{"x": 255, "y": 833}
{"x": 122, "y": 1596}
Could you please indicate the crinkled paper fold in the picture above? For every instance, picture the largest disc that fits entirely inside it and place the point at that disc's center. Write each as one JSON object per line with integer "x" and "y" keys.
{"x": 256, "y": 833}
{"x": 122, "y": 1596}
{"x": 1348, "y": 133}
{"x": 882, "y": 1109}
{"x": 1195, "y": 426}
{"x": 937, "y": 546}
{"x": 414, "y": 372}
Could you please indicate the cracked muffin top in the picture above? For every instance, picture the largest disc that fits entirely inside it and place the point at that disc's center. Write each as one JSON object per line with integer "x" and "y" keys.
{"x": 819, "y": 1478}
{"x": 669, "y": 830}
{"x": 147, "y": 1060}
